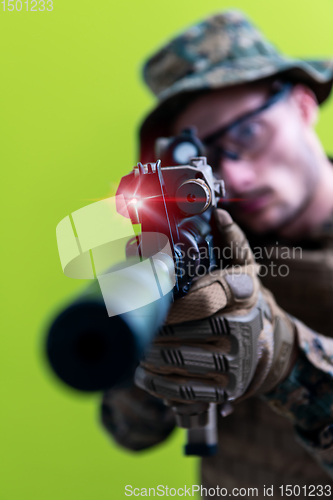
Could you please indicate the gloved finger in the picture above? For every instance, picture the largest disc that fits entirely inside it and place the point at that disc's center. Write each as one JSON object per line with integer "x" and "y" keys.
{"x": 226, "y": 289}
{"x": 177, "y": 388}
{"x": 206, "y": 361}
{"x": 206, "y": 296}
{"x": 230, "y": 238}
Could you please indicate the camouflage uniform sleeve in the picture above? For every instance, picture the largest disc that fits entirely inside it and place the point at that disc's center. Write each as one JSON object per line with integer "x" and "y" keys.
{"x": 135, "y": 419}
{"x": 306, "y": 396}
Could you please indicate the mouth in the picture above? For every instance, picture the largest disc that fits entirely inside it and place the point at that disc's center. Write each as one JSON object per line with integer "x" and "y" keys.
{"x": 254, "y": 202}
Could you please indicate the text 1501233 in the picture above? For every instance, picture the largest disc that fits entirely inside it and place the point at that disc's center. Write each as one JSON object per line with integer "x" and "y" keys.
{"x": 28, "y": 6}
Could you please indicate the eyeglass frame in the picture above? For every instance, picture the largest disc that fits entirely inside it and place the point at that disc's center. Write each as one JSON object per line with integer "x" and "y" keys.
{"x": 276, "y": 97}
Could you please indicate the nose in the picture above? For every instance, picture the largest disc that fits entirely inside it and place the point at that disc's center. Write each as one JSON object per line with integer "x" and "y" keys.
{"x": 239, "y": 176}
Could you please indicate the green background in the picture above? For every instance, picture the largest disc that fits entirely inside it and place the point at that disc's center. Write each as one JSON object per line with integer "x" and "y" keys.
{"x": 71, "y": 98}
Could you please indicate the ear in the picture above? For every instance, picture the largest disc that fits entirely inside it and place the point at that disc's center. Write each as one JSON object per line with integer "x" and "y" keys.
{"x": 306, "y": 103}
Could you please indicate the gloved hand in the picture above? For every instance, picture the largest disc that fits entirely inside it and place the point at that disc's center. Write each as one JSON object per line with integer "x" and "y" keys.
{"x": 226, "y": 339}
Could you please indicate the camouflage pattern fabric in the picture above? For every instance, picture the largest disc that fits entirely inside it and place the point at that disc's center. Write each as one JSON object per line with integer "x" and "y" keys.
{"x": 306, "y": 398}
{"x": 320, "y": 447}
{"x": 257, "y": 447}
{"x": 226, "y": 49}
{"x": 135, "y": 419}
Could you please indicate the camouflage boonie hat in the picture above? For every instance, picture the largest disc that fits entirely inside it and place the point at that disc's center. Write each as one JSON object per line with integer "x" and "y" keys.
{"x": 223, "y": 51}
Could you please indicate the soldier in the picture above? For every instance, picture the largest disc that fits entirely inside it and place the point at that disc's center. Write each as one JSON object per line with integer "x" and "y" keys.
{"x": 254, "y": 109}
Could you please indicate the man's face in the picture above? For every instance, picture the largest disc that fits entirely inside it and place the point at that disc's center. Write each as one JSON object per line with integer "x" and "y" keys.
{"x": 275, "y": 175}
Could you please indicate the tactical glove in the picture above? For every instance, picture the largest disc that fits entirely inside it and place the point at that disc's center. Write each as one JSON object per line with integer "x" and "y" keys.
{"x": 226, "y": 339}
